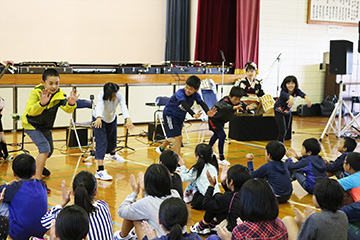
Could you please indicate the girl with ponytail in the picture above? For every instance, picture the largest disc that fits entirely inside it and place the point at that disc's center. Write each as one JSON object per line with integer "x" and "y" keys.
{"x": 84, "y": 191}
{"x": 173, "y": 216}
{"x": 196, "y": 175}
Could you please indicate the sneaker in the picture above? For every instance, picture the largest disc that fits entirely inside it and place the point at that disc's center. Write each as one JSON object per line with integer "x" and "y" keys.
{"x": 224, "y": 162}
{"x": 103, "y": 175}
{"x": 117, "y": 158}
{"x": 188, "y": 199}
{"x": 46, "y": 172}
{"x": 158, "y": 150}
{"x": 196, "y": 229}
{"x": 48, "y": 190}
{"x": 130, "y": 236}
{"x": 9, "y": 157}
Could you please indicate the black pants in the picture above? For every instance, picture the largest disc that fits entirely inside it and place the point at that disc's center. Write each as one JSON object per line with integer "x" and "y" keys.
{"x": 283, "y": 122}
{"x": 210, "y": 215}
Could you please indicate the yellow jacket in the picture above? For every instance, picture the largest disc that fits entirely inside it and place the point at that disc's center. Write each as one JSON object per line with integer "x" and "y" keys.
{"x": 42, "y": 117}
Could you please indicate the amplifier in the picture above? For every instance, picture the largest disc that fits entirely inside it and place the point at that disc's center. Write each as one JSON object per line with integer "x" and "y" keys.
{"x": 304, "y": 111}
{"x": 184, "y": 70}
{"x": 218, "y": 70}
{"x": 83, "y": 137}
{"x": 40, "y": 70}
{"x": 158, "y": 135}
{"x": 140, "y": 70}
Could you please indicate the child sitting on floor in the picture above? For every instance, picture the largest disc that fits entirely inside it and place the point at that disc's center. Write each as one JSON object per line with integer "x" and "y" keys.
{"x": 310, "y": 168}
{"x": 275, "y": 171}
{"x": 173, "y": 216}
{"x": 170, "y": 159}
{"x": 196, "y": 175}
{"x": 346, "y": 146}
{"x": 330, "y": 223}
{"x": 351, "y": 183}
{"x": 217, "y": 206}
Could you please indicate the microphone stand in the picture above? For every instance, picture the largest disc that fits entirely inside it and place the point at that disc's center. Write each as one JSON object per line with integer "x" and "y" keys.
{"x": 222, "y": 73}
{"x": 278, "y": 76}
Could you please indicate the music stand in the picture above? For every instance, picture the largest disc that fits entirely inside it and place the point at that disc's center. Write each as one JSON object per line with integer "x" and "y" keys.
{"x": 338, "y": 108}
{"x": 125, "y": 141}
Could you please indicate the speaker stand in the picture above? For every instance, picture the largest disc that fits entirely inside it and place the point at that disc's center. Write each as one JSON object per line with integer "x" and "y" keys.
{"x": 338, "y": 108}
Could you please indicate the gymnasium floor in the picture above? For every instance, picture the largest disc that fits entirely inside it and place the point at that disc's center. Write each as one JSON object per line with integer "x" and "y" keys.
{"x": 64, "y": 161}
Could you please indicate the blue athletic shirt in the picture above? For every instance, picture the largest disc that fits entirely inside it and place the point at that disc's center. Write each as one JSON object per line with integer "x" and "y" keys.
{"x": 27, "y": 201}
{"x": 174, "y": 109}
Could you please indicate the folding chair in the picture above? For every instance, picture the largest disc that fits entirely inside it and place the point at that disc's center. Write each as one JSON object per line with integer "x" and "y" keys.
{"x": 209, "y": 95}
{"x": 81, "y": 104}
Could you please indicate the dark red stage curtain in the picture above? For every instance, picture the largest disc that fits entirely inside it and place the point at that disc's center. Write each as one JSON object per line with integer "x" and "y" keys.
{"x": 247, "y": 33}
{"x": 228, "y": 25}
{"x": 216, "y": 24}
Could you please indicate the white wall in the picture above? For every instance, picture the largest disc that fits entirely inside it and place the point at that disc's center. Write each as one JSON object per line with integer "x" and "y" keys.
{"x": 109, "y": 31}
{"x": 83, "y": 31}
{"x": 283, "y": 29}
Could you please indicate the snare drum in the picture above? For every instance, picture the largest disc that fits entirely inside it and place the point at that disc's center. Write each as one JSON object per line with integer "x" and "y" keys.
{"x": 267, "y": 102}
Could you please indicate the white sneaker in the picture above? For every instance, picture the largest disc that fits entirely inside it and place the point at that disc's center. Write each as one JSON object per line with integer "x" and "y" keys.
{"x": 117, "y": 158}
{"x": 196, "y": 229}
{"x": 130, "y": 236}
{"x": 103, "y": 175}
{"x": 158, "y": 150}
{"x": 188, "y": 199}
{"x": 224, "y": 162}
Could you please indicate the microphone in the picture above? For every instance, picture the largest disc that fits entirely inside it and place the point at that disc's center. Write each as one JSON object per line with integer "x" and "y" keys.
{"x": 278, "y": 57}
{"x": 222, "y": 56}
{"x": 91, "y": 97}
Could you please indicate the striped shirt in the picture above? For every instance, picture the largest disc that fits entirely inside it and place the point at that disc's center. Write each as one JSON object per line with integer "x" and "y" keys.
{"x": 100, "y": 221}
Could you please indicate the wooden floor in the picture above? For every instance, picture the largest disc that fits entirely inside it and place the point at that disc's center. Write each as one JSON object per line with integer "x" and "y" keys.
{"x": 63, "y": 162}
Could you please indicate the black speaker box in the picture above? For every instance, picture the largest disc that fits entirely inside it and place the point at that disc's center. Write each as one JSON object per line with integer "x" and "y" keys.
{"x": 83, "y": 137}
{"x": 158, "y": 135}
{"x": 304, "y": 111}
{"x": 341, "y": 57}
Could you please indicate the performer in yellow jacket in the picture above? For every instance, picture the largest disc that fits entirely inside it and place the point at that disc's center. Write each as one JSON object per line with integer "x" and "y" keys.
{"x": 39, "y": 116}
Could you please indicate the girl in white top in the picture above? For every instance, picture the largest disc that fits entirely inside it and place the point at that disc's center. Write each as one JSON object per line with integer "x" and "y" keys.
{"x": 84, "y": 190}
{"x": 156, "y": 187}
{"x": 205, "y": 161}
{"x": 105, "y": 126}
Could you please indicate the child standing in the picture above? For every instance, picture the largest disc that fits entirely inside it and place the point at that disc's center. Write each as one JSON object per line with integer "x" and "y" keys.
{"x": 217, "y": 206}
{"x": 329, "y": 224}
{"x": 310, "y": 168}
{"x": 259, "y": 212}
{"x": 175, "y": 110}
{"x": 39, "y": 116}
{"x": 225, "y": 109}
{"x": 170, "y": 159}
{"x": 351, "y": 183}
{"x": 346, "y": 146}
{"x": 275, "y": 171}
{"x": 156, "y": 187}
{"x": 25, "y": 200}
{"x": 283, "y": 106}
{"x": 105, "y": 126}
{"x": 84, "y": 190}
{"x": 3, "y": 148}
{"x": 205, "y": 161}
{"x": 173, "y": 216}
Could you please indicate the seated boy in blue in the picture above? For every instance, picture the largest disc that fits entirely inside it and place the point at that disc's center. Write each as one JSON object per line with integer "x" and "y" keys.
{"x": 275, "y": 171}
{"x": 310, "y": 168}
{"x": 25, "y": 200}
{"x": 175, "y": 110}
{"x": 217, "y": 206}
{"x": 346, "y": 146}
{"x": 225, "y": 108}
{"x": 351, "y": 183}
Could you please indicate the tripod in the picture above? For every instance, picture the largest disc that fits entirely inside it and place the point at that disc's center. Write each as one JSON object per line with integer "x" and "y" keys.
{"x": 338, "y": 108}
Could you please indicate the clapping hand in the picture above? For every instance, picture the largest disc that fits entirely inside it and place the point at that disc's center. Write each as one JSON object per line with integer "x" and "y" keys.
{"x": 212, "y": 180}
{"x": 73, "y": 97}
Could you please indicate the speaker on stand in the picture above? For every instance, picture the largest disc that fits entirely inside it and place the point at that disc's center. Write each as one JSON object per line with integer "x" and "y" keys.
{"x": 341, "y": 63}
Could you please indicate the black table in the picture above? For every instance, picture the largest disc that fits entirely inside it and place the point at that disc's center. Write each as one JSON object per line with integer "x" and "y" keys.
{"x": 254, "y": 128}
